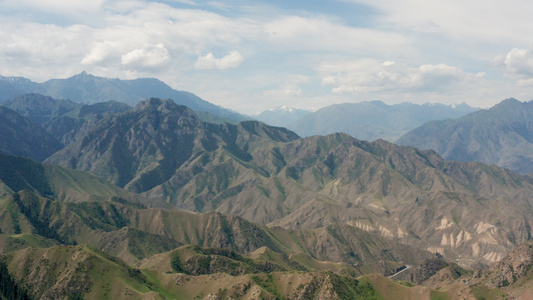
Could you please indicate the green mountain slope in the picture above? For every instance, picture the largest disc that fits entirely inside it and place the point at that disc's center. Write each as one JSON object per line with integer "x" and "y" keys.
{"x": 67, "y": 272}
{"x": 73, "y": 272}
{"x": 132, "y": 232}
{"x": 501, "y": 135}
{"x": 20, "y": 173}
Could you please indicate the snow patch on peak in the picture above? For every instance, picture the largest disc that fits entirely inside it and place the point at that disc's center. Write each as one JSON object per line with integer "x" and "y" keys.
{"x": 283, "y": 108}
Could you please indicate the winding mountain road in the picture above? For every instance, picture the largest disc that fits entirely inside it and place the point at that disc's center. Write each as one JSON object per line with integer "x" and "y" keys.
{"x": 407, "y": 267}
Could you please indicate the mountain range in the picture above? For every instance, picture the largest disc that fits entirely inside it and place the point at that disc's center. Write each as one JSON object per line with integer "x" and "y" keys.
{"x": 281, "y": 115}
{"x": 270, "y": 176}
{"x": 40, "y": 230}
{"x": 88, "y": 89}
{"x": 155, "y": 201}
{"x": 372, "y": 120}
{"x": 501, "y": 135}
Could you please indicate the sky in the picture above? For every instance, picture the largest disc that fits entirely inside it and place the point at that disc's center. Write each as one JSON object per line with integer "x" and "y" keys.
{"x": 254, "y": 55}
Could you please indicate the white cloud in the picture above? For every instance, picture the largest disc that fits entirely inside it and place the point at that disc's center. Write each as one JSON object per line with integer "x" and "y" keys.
{"x": 144, "y": 38}
{"x": 287, "y": 90}
{"x": 517, "y": 63}
{"x": 150, "y": 56}
{"x": 370, "y": 75}
{"x": 296, "y": 33}
{"x": 290, "y": 88}
{"x": 101, "y": 53}
{"x": 210, "y": 62}
{"x": 489, "y": 21}
{"x": 61, "y": 6}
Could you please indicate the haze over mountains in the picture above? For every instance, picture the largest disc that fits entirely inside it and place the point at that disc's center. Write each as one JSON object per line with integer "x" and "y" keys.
{"x": 501, "y": 135}
{"x": 169, "y": 204}
{"x": 88, "y": 89}
{"x": 372, "y": 120}
{"x": 281, "y": 116}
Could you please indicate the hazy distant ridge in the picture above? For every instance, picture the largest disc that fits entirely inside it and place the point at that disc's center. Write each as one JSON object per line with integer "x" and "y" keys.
{"x": 372, "y": 120}
{"x": 501, "y": 135}
{"x": 88, "y": 89}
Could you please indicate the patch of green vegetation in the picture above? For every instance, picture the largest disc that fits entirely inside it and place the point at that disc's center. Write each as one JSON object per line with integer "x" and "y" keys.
{"x": 482, "y": 292}
{"x": 267, "y": 283}
{"x": 238, "y": 154}
{"x": 281, "y": 190}
{"x": 436, "y": 295}
{"x": 157, "y": 286}
{"x": 279, "y": 161}
{"x": 99, "y": 215}
{"x": 211, "y": 260}
{"x": 292, "y": 172}
{"x": 263, "y": 190}
{"x": 39, "y": 217}
{"x": 14, "y": 217}
{"x": 223, "y": 174}
{"x": 407, "y": 283}
{"x": 350, "y": 288}
{"x": 175, "y": 262}
{"x": 227, "y": 193}
{"x": 9, "y": 288}
{"x": 20, "y": 173}
{"x": 319, "y": 177}
{"x": 143, "y": 244}
{"x": 137, "y": 205}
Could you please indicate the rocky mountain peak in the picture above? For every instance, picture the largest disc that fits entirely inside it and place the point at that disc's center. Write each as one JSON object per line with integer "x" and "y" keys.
{"x": 166, "y": 105}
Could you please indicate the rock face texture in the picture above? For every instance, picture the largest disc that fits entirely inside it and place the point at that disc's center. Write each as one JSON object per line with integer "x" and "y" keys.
{"x": 513, "y": 266}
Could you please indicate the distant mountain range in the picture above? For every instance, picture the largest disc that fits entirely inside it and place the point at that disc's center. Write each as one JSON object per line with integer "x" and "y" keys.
{"x": 88, "y": 89}
{"x": 501, "y": 135}
{"x": 281, "y": 116}
{"x": 372, "y": 120}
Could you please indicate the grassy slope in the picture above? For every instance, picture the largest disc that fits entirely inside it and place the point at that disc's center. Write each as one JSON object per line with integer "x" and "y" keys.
{"x": 133, "y": 232}
{"x": 18, "y": 173}
{"x": 81, "y": 271}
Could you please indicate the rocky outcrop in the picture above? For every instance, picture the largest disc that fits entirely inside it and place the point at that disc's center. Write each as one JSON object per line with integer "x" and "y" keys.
{"x": 427, "y": 269}
{"x": 513, "y": 266}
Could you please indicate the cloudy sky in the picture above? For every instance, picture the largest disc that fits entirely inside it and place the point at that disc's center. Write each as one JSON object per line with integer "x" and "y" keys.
{"x": 254, "y": 55}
